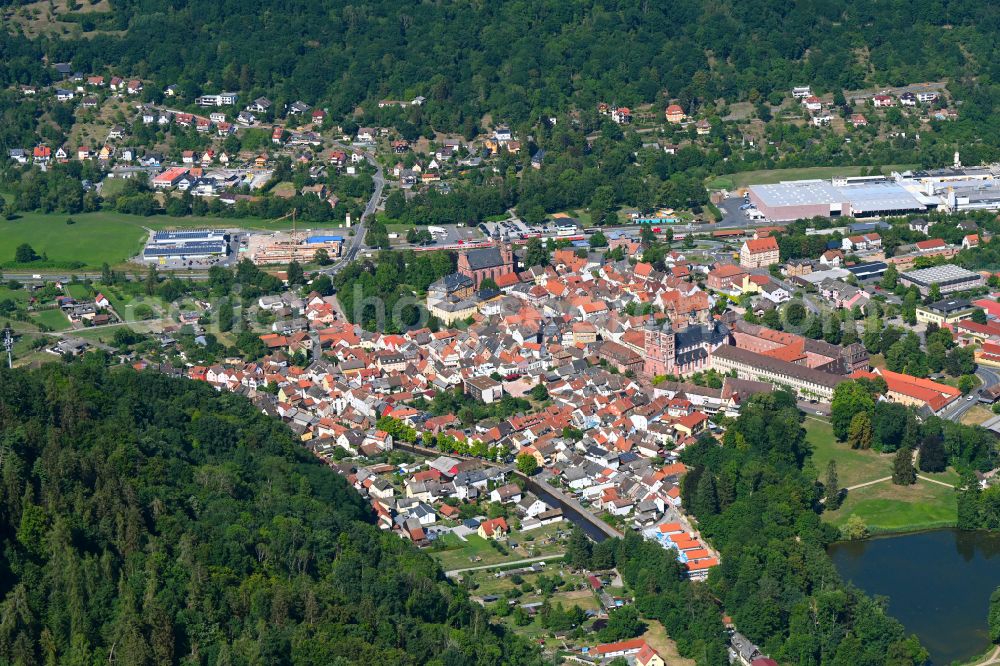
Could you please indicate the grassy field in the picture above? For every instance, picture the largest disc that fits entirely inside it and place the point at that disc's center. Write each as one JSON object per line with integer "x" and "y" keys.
{"x": 883, "y": 506}
{"x": 104, "y": 334}
{"x": 94, "y": 239}
{"x": 462, "y": 554}
{"x": 16, "y": 295}
{"x": 658, "y": 639}
{"x": 102, "y": 237}
{"x": 949, "y": 476}
{"x": 78, "y": 291}
{"x": 889, "y": 508}
{"x": 54, "y": 319}
{"x": 473, "y": 552}
{"x": 487, "y": 583}
{"x": 976, "y": 415}
{"x": 120, "y": 301}
{"x": 853, "y": 466}
{"x": 767, "y": 176}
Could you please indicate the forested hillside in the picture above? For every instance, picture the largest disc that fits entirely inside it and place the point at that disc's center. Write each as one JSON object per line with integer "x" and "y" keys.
{"x": 518, "y": 59}
{"x": 145, "y": 520}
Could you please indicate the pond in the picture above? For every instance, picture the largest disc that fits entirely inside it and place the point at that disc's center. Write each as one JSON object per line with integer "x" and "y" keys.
{"x": 938, "y": 584}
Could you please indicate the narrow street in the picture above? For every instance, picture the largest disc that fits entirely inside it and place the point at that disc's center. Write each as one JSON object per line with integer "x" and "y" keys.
{"x": 482, "y": 567}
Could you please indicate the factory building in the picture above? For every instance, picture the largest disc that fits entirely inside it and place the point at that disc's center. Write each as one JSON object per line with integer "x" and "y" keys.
{"x": 948, "y": 277}
{"x": 188, "y": 236}
{"x": 955, "y": 189}
{"x": 183, "y": 251}
{"x": 186, "y": 244}
{"x": 861, "y": 197}
{"x": 951, "y": 189}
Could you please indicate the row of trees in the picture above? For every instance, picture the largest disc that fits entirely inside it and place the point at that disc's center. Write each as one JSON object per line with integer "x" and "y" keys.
{"x": 857, "y": 419}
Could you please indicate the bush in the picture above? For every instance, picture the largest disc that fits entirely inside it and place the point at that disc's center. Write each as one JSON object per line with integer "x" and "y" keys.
{"x": 855, "y": 529}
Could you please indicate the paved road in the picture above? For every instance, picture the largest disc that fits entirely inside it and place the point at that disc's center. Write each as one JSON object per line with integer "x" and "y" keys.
{"x": 64, "y": 276}
{"x": 989, "y": 377}
{"x": 817, "y": 408}
{"x": 530, "y": 560}
{"x": 356, "y": 242}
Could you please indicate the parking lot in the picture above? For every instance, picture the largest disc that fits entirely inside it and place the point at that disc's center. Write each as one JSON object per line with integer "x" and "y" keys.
{"x": 732, "y": 216}
{"x": 452, "y": 235}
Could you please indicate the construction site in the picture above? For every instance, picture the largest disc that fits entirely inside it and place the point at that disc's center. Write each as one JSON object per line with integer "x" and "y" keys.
{"x": 286, "y": 246}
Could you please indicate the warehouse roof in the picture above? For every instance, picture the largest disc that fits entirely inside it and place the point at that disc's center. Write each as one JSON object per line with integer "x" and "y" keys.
{"x": 869, "y": 197}
{"x": 797, "y": 193}
{"x": 945, "y": 273}
{"x": 879, "y": 197}
{"x": 196, "y": 248}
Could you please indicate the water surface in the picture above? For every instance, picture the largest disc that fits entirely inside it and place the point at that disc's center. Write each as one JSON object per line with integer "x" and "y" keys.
{"x": 938, "y": 584}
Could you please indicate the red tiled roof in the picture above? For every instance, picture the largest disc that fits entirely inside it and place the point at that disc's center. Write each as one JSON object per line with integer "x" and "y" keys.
{"x": 934, "y": 394}
{"x": 701, "y": 565}
{"x": 496, "y": 523}
{"x": 635, "y": 644}
{"x": 759, "y": 245}
{"x": 930, "y": 244}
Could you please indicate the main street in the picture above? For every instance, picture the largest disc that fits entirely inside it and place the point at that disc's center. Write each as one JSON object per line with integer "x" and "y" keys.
{"x": 354, "y": 244}
{"x": 989, "y": 377}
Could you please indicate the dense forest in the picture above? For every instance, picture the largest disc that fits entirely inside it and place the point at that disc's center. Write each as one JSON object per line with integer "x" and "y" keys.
{"x": 146, "y": 520}
{"x": 519, "y": 59}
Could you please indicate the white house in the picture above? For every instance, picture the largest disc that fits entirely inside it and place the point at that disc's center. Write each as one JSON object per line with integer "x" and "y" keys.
{"x": 812, "y": 103}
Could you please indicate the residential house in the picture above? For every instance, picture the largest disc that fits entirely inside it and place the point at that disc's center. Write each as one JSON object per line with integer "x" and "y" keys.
{"x": 259, "y": 105}
{"x": 494, "y": 528}
{"x": 812, "y": 103}
{"x": 508, "y": 494}
{"x": 298, "y": 108}
{"x": 621, "y": 115}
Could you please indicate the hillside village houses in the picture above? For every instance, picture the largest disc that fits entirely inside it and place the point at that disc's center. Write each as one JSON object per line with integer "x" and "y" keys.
{"x": 565, "y": 327}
